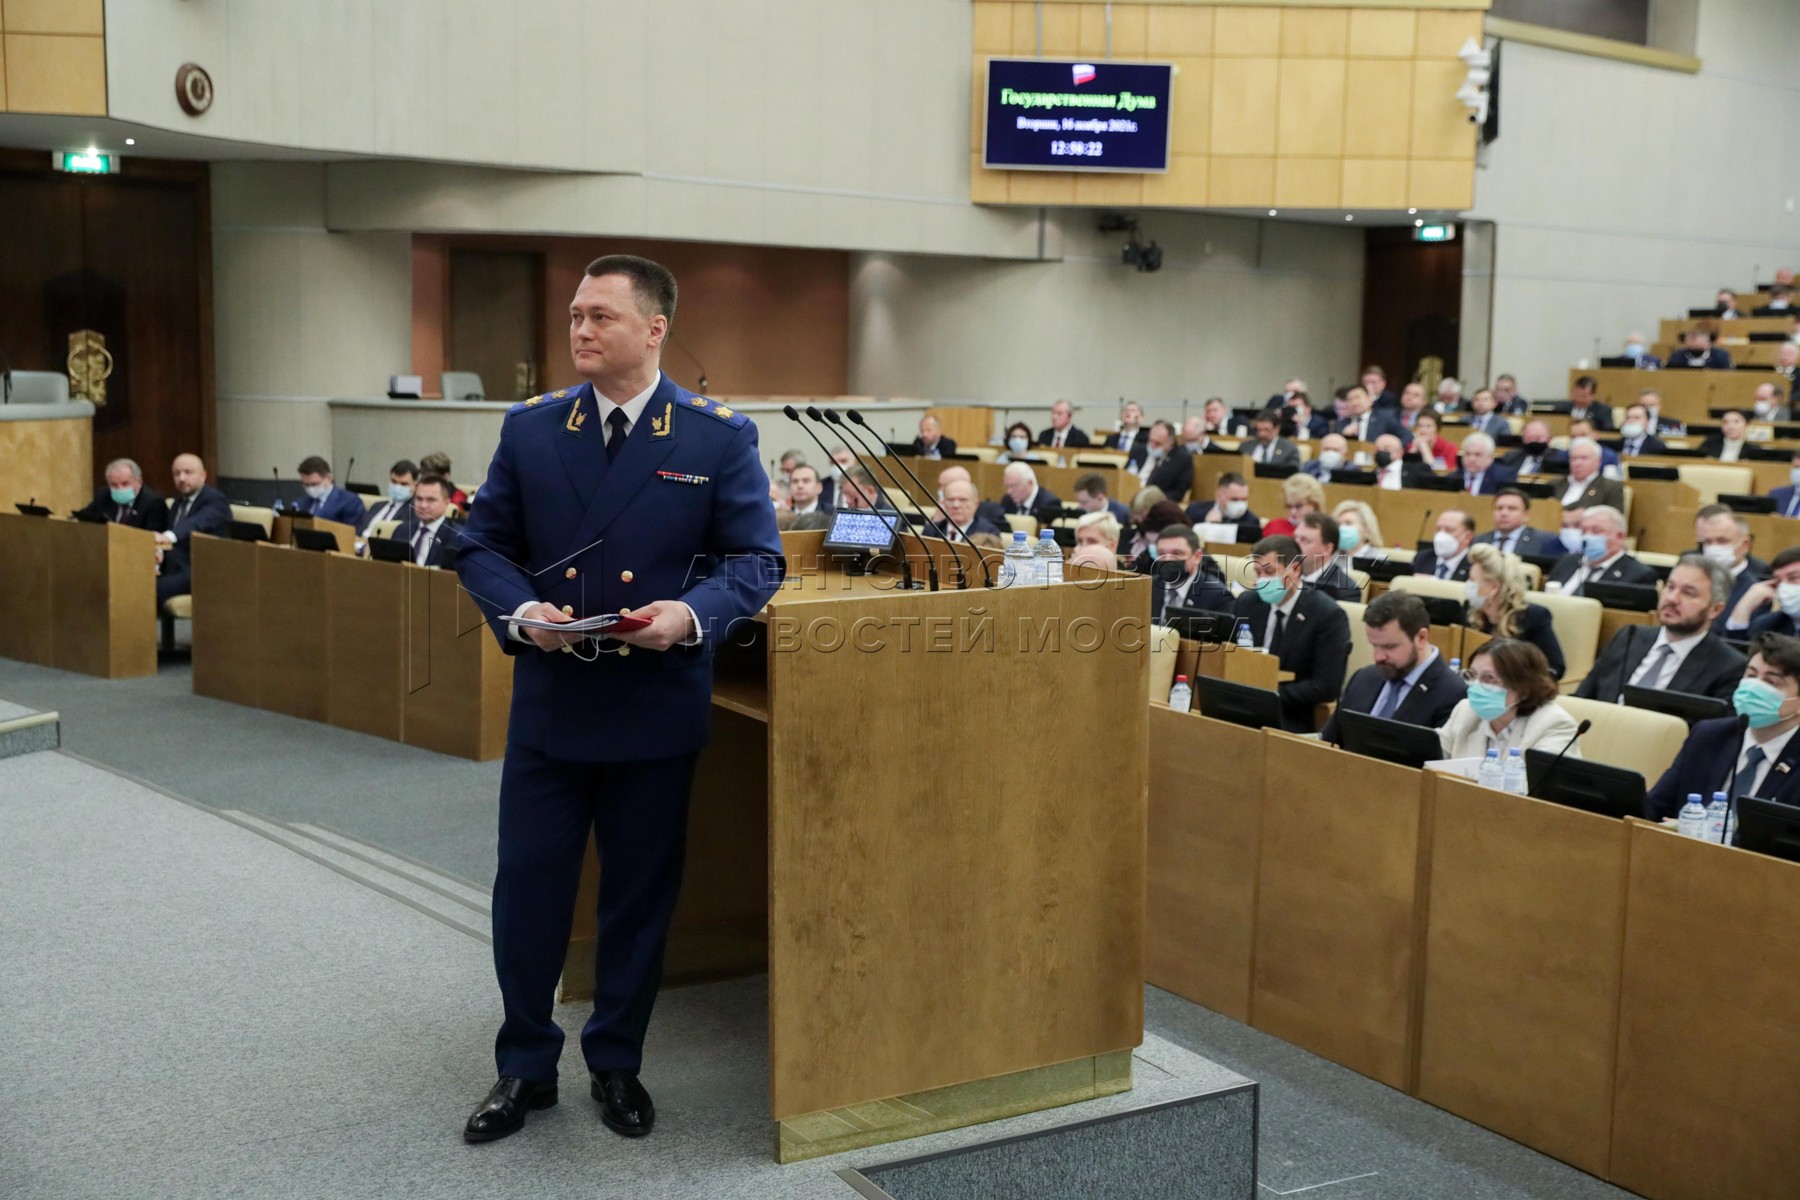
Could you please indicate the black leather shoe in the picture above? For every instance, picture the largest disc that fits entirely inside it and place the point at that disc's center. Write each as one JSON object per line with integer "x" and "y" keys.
{"x": 503, "y": 1112}
{"x": 624, "y": 1104}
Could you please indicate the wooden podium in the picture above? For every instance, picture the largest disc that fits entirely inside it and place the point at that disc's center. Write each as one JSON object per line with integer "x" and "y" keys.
{"x": 924, "y": 815}
{"x": 78, "y": 596}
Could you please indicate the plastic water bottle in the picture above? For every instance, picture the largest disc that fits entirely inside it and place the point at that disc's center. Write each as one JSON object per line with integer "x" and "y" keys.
{"x": 1490, "y": 773}
{"x": 1692, "y": 821}
{"x": 1049, "y": 558}
{"x": 1715, "y": 817}
{"x": 1513, "y": 776}
{"x": 1181, "y": 696}
{"x": 1456, "y": 666}
{"x": 1019, "y": 567}
{"x": 1244, "y": 640}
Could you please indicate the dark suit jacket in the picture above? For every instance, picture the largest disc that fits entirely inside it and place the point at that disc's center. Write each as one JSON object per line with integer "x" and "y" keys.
{"x": 443, "y": 546}
{"x": 1742, "y": 582}
{"x": 146, "y": 511}
{"x": 981, "y": 524}
{"x": 1281, "y": 451}
{"x": 1335, "y": 582}
{"x": 1134, "y": 452}
{"x": 1530, "y": 541}
{"x": 1315, "y": 646}
{"x": 1379, "y": 423}
{"x": 946, "y": 446}
{"x": 1601, "y": 490}
{"x": 1206, "y": 589}
{"x": 339, "y": 505}
{"x": 1774, "y": 621}
{"x": 1711, "y": 668}
{"x": 1626, "y": 570}
{"x": 1599, "y": 412}
{"x": 1316, "y": 425}
{"x": 1783, "y": 497}
{"x": 1547, "y": 465}
{"x": 1648, "y": 444}
{"x": 1075, "y": 441}
{"x": 1428, "y": 702}
{"x": 1174, "y": 474}
{"x": 1493, "y": 479}
{"x": 1045, "y": 507}
{"x": 1249, "y": 525}
{"x": 1425, "y": 562}
{"x": 1537, "y": 627}
{"x": 209, "y": 512}
{"x": 1706, "y": 763}
{"x": 1713, "y": 445}
{"x": 1714, "y": 360}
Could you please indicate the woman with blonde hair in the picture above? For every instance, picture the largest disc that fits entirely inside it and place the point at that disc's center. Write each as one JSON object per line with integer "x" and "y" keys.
{"x": 1359, "y": 531}
{"x": 1302, "y": 494}
{"x": 1497, "y": 605}
{"x": 1098, "y": 529}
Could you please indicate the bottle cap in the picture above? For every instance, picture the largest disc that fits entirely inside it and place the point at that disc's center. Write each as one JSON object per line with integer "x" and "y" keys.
{"x": 1693, "y": 797}
{"x": 1721, "y": 796}
{"x": 1181, "y": 679}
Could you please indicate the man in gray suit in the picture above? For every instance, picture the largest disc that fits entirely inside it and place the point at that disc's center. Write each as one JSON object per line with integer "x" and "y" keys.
{"x": 1585, "y": 487}
{"x": 1266, "y": 447}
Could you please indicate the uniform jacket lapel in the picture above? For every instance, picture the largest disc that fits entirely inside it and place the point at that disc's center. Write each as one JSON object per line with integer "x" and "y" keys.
{"x": 604, "y": 488}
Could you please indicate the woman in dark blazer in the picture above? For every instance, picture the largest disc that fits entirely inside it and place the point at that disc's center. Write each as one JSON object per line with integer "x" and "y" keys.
{"x": 1498, "y": 605}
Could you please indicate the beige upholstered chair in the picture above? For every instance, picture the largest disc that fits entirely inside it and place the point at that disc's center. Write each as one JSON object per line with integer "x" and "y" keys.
{"x": 255, "y": 516}
{"x": 1576, "y": 620}
{"x": 1633, "y": 738}
{"x": 1709, "y": 479}
{"x": 1360, "y": 654}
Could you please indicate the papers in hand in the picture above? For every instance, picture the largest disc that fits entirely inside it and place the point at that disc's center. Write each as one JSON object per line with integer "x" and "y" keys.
{"x": 603, "y": 623}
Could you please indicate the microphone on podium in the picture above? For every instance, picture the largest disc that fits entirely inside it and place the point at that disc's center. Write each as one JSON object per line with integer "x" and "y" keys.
{"x": 893, "y": 523}
{"x": 793, "y": 415}
{"x": 987, "y": 571}
{"x": 930, "y": 558}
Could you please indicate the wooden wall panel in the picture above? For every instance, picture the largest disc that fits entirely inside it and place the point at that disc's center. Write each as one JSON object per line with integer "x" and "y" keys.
{"x": 1383, "y": 33}
{"x": 1247, "y": 31}
{"x": 56, "y": 73}
{"x": 1245, "y": 95}
{"x": 1378, "y": 110}
{"x": 1310, "y": 112}
{"x": 86, "y": 17}
{"x": 1374, "y": 183}
{"x": 1180, "y": 29}
{"x": 1315, "y": 33}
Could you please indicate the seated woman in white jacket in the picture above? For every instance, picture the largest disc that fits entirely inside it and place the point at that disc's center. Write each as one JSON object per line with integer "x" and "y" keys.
{"x": 1511, "y": 705}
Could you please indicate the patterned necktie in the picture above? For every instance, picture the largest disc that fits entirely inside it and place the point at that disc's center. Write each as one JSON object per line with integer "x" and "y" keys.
{"x": 1746, "y": 776}
{"x": 1650, "y": 675}
{"x": 615, "y": 437}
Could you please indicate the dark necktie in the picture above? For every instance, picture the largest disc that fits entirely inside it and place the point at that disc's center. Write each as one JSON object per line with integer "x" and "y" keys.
{"x": 1443, "y": 571}
{"x": 1390, "y": 698}
{"x": 124, "y": 511}
{"x": 181, "y": 513}
{"x": 419, "y": 538}
{"x": 1280, "y": 628}
{"x": 615, "y": 437}
{"x": 1507, "y": 540}
{"x": 1746, "y": 776}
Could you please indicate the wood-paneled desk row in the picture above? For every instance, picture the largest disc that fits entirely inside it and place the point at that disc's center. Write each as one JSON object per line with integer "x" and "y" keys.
{"x": 1604, "y": 991}
{"x": 1688, "y": 396}
{"x": 78, "y": 596}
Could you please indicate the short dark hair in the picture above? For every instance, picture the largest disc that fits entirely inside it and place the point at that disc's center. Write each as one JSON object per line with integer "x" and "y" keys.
{"x": 1704, "y": 330}
{"x": 405, "y": 466}
{"x": 1712, "y": 510}
{"x": 1509, "y": 490}
{"x": 312, "y": 464}
{"x": 1327, "y": 526}
{"x": 1779, "y": 651}
{"x": 1093, "y": 483}
{"x": 1523, "y": 668}
{"x": 804, "y": 467}
{"x": 435, "y": 463}
{"x": 1229, "y": 479}
{"x": 651, "y": 282}
{"x": 1285, "y": 549}
{"x": 1168, "y": 425}
{"x": 1184, "y": 532}
{"x": 1740, "y": 412}
{"x": 430, "y": 479}
{"x": 1468, "y": 522}
{"x": 1785, "y": 558}
{"x": 1403, "y": 607}
{"x": 1268, "y": 416}
{"x": 1586, "y": 381}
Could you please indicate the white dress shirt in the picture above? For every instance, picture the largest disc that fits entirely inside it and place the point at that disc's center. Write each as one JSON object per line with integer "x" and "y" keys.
{"x": 1388, "y": 478}
{"x": 1573, "y": 492}
{"x": 1678, "y": 652}
{"x": 422, "y": 554}
{"x": 1587, "y": 571}
{"x": 1287, "y": 612}
{"x": 1730, "y": 450}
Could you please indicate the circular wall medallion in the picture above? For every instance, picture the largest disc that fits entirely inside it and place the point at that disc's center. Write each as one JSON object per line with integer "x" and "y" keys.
{"x": 193, "y": 89}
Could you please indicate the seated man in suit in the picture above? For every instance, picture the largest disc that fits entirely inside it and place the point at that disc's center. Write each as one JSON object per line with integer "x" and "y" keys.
{"x": 1725, "y": 541}
{"x": 1481, "y": 475}
{"x": 1659, "y": 425}
{"x": 1781, "y": 302}
{"x": 830, "y": 482}
{"x": 1267, "y": 446}
{"x": 1639, "y": 353}
{"x": 1697, "y": 352}
{"x": 1131, "y": 437}
{"x": 403, "y": 476}
{"x": 324, "y": 499}
{"x": 1393, "y": 469}
{"x": 1025, "y": 497}
{"x": 1063, "y": 434}
{"x": 1363, "y": 424}
{"x": 1728, "y": 444}
{"x": 124, "y": 500}
{"x": 1585, "y": 486}
{"x": 1725, "y": 307}
{"x": 1636, "y": 438}
{"x": 1679, "y": 653}
{"x": 1448, "y": 555}
{"x": 1769, "y": 403}
{"x": 1230, "y": 506}
{"x": 1533, "y": 455}
{"x": 1374, "y": 382}
{"x": 1602, "y": 558}
{"x": 1511, "y": 534}
{"x": 1409, "y": 680}
{"x": 1585, "y": 406}
{"x": 961, "y": 508}
{"x": 931, "y": 442}
{"x": 1771, "y": 605}
{"x": 198, "y": 507}
{"x": 1610, "y": 465}
{"x": 860, "y": 490}
{"x": 1787, "y": 497}
{"x": 1166, "y": 465}
{"x": 1334, "y": 455}
{"x": 1758, "y": 758}
{"x": 1220, "y": 423}
{"x": 1449, "y": 397}
{"x": 1485, "y": 415}
{"x": 1090, "y": 496}
{"x": 805, "y": 492}
{"x": 428, "y": 529}
{"x": 1317, "y": 536}
{"x": 1507, "y": 398}
{"x": 1412, "y": 403}
{"x": 1300, "y": 421}
{"x": 1302, "y": 627}
{"x": 1182, "y": 577}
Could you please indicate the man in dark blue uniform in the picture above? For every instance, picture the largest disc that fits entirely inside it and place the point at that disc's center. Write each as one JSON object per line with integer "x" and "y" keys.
{"x": 625, "y": 494}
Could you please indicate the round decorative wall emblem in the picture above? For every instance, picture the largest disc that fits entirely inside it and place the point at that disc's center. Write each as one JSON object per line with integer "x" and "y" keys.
{"x": 193, "y": 89}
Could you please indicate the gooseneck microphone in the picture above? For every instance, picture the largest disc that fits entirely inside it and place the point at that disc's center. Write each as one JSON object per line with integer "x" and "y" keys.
{"x": 276, "y": 472}
{"x": 349, "y": 472}
{"x": 987, "y": 571}
{"x": 1743, "y": 726}
{"x": 930, "y": 558}
{"x": 794, "y": 416}
{"x": 894, "y": 522}
{"x": 1550, "y": 768}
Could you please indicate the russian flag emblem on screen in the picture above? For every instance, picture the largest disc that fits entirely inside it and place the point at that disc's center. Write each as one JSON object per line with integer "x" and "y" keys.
{"x": 1084, "y": 73}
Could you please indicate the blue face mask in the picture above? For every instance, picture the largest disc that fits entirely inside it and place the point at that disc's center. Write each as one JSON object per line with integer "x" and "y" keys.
{"x": 1593, "y": 547}
{"x": 1349, "y": 537}
{"x": 1571, "y": 537}
{"x": 1487, "y": 700}
{"x": 1017, "y": 445}
{"x": 399, "y": 493}
{"x": 1272, "y": 590}
{"x": 1758, "y": 702}
{"x": 123, "y": 495}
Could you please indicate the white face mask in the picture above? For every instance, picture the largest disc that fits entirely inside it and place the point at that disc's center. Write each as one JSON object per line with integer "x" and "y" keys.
{"x": 1235, "y": 509}
{"x": 1331, "y": 460}
{"x": 1445, "y": 544}
{"x": 1633, "y": 430}
{"x": 1764, "y": 407}
{"x": 1471, "y": 592}
{"x": 1017, "y": 445}
{"x": 1787, "y": 595}
{"x": 1725, "y": 556}
{"x": 318, "y": 491}
{"x": 399, "y": 493}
